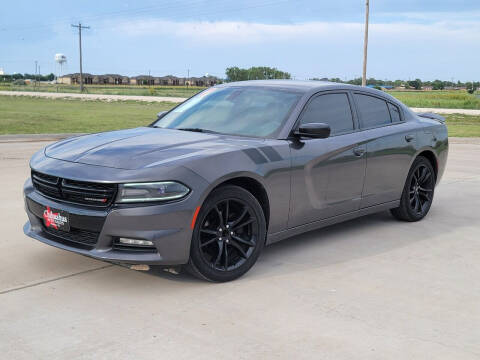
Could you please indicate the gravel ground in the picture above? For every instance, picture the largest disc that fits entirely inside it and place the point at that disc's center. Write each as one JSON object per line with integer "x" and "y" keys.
{"x": 52, "y": 95}
{"x": 448, "y": 111}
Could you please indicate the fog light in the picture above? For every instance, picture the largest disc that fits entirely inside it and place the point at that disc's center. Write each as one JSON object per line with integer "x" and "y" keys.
{"x": 135, "y": 242}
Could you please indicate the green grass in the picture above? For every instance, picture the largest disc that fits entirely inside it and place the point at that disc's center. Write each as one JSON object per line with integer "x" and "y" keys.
{"x": 170, "y": 91}
{"x": 427, "y": 99}
{"x": 463, "y": 125}
{"x": 30, "y": 115}
{"x": 438, "y": 99}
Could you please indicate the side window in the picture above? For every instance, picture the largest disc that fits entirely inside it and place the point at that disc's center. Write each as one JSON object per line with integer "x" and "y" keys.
{"x": 394, "y": 113}
{"x": 372, "y": 111}
{"x": 331, "y": 109}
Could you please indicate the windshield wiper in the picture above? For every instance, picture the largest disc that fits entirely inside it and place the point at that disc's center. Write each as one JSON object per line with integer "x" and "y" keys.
{"x": 198, "y": 130}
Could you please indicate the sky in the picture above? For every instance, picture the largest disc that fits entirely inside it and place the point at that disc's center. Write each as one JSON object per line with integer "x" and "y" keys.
{"x": 426, "y": 39}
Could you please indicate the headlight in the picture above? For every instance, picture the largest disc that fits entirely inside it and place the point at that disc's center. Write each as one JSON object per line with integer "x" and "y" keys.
{"x": 154, "y": 191}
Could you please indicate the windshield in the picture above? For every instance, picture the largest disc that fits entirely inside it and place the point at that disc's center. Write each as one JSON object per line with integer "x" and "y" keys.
{"x": 248, "y": 111}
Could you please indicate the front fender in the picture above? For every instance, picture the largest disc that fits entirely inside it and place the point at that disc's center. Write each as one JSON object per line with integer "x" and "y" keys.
{"x": 273, "y": 173}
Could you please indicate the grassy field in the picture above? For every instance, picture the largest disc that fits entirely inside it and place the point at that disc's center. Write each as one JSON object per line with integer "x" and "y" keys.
{"x": 427, "y": 99}
{"x": 30, "y": 115}
{"x": 438, "y": 99}
{"x": 171, "y": 91}
{"x": 463, "y": 125}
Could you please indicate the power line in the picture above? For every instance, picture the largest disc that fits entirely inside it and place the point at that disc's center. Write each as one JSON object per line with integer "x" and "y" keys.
{"x": 91, "y": 17}
{"x": 80, "y": 27}
{"x": 170, "y": 9}
{"x": 203, "y": 13}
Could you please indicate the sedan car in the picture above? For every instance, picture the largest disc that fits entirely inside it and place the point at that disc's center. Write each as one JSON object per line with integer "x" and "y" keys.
{"x": 232, "y": 169}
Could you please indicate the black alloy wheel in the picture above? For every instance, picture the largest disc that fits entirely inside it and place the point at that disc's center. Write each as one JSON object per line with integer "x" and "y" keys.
{"x": 228, "y": 236}
{"x": 418, "y": 192}
{"x": 421, "y": 189}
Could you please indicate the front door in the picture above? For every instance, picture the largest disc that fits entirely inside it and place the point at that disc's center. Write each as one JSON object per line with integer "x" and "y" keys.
{"x": 327, "y": 174}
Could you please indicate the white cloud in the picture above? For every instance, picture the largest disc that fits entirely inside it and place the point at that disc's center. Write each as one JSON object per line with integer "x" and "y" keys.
{"x": 233, "y": 33}
{"x": 434, "y": 16}
{"x": 238, "y": 32}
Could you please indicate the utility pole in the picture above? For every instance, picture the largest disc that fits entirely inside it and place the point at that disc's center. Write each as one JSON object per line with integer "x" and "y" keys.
{"x": 365, "y": 45}
{"x": 188, "y": 77}
{"x": 80, "y": 27}
{"x": 35, "y": 77}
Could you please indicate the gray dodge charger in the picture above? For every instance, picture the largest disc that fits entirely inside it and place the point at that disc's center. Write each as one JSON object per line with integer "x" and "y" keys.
{"x": 232, "y": 169}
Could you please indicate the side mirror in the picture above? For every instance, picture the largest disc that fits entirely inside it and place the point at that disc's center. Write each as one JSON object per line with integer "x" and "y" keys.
{"x": 314, "y": 130}
{"x": 160, "y": 114}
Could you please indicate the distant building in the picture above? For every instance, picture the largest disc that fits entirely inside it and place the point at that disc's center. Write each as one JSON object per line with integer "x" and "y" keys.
{"x": 145, "y": 80}
{"x": 73, "y": 79}
{"x": 111, "y": 79}
{"x": 2, "y": 72}
{"x": 455, "y": 88}
{"x": 202, "y": 81}
{"x": 384, "y": 87}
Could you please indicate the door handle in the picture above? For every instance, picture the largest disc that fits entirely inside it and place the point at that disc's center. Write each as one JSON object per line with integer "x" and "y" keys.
{"x": 409, "y": 137}
{"x": 358, "y": 151}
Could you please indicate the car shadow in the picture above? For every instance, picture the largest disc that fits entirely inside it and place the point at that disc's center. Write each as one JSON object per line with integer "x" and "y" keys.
{"x": 362, "y": 237}
{"x": 355, "y": 239}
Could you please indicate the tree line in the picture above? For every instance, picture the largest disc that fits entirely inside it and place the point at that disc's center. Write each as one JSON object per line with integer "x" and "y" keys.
{"x": 416, "y": 84}
{"x": 235, "y": 73}
{"x": 39, "y": 77}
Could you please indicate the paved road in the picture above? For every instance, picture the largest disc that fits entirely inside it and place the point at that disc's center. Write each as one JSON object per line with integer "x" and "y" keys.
{"x": 448, "y": 111}
{"x": 179, "y": 99}
{"x": 52, "y": 95}
{"x": 371, "y": 288}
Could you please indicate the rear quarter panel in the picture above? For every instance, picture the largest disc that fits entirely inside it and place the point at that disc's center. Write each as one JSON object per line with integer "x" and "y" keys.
{"x": 433, "y": 136}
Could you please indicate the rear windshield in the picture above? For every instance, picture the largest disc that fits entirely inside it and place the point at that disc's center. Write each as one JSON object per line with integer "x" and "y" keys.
{"x": 248, "y": 111}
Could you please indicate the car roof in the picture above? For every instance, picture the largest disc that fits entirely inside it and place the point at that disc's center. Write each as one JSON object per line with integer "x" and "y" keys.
{"x": 310, "y": 87}
{"x": 298, "y": 85}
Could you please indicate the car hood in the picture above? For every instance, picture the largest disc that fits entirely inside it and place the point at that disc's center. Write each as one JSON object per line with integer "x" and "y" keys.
{"x": 142, "y": 147}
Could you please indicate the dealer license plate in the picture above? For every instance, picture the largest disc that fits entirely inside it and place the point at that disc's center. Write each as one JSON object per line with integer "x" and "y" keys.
{"x": 56, "y": 219}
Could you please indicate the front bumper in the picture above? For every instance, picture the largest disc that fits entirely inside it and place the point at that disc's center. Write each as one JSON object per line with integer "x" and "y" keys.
{"x": 166, "y": 225}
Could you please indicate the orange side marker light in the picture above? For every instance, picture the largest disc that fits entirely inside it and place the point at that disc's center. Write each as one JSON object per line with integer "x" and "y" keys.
{"x": 194, "y": 219}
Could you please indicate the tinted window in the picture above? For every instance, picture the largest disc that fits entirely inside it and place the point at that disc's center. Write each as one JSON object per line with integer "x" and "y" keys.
{"x": 251, "y": 111}
{"x": 331, "y": 109}
{"x": 373, "y": 111}
{"x": 394, "y": 113}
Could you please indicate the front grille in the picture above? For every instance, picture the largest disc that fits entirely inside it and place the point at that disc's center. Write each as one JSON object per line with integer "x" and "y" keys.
{"x": 80, "y": 238}
{"x": 77, "y": 192}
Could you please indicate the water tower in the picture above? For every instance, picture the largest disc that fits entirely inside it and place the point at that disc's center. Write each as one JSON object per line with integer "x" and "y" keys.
{"x": 60, "y": 59}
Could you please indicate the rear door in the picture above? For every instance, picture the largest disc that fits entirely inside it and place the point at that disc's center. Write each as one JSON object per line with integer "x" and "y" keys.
{"x": 390, "y": 144}
{"x": 327, "y": 174}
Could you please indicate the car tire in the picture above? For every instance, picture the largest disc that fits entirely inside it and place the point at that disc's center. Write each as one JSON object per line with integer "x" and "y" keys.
{"x": 228, "y": 236}
{"x": 417, "y": 194}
